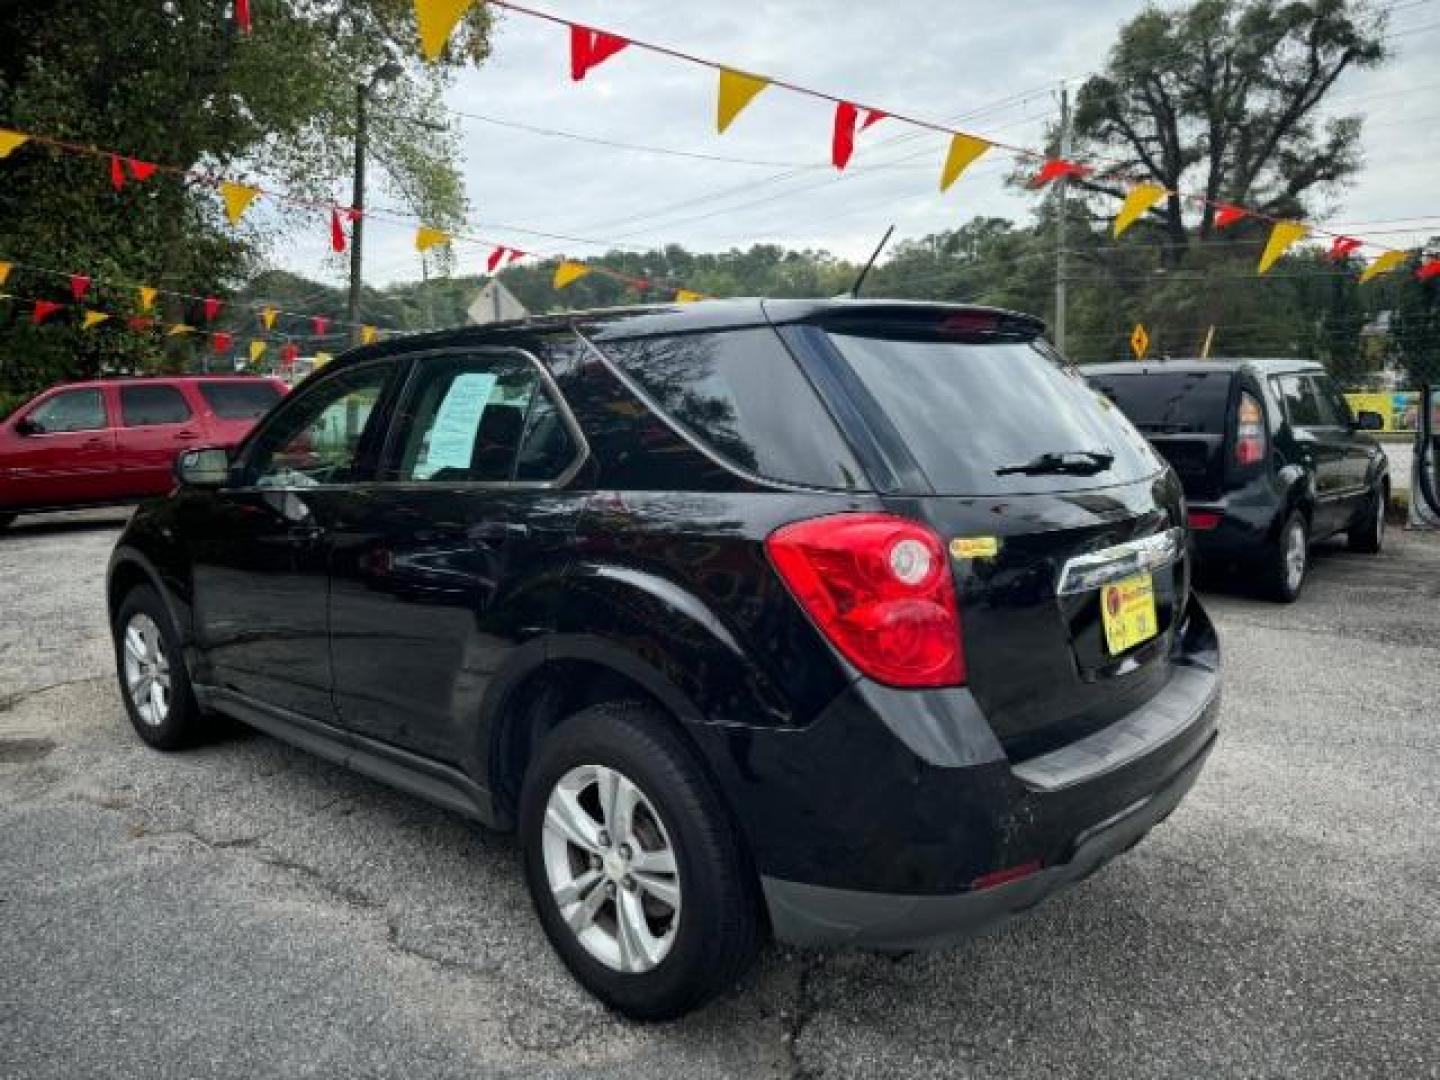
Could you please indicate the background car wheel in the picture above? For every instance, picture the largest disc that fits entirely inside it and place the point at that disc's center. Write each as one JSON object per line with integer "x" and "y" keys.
{"x": 635, "y": 869}
{"x": 151, "y": 668}
{"x": 1368, "y": 535}
{"x": 1288, "y": 561}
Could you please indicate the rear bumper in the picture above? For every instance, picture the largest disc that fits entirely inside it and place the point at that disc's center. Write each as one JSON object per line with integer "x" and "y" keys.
{"x": 815, "y": 915}
{"x": 895, "y": 806}
{"x": 1246, "y": 526}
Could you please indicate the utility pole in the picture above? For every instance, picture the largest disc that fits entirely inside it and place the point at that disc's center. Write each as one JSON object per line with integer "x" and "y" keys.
{"x": 1062, "y": 200}
{"x": 386, "y": 72}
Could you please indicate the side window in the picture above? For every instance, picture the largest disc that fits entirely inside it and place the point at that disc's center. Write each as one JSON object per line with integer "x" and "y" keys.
{"x": 72, "y": 410}
{"x": 466, "y": 420}
{"x": 318, "y": 438}
{"x": 141, "y": 406}
{"x": 1334, "y": 401}
{"x": 1302, "y": 404}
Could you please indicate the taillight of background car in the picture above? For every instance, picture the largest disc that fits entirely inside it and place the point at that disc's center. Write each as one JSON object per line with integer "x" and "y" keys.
{"x": 879, "y": 587}
{"x": 1249, "y": 431}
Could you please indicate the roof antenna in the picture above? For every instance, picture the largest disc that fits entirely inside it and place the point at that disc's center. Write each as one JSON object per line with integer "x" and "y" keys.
{"x": 859, "y": 281}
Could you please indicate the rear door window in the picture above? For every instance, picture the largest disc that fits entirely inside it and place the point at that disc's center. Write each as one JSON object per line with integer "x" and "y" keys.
{"x": 239, "y": 400}
{"x": 1302, "y": 402}
{"x": 146, "y": 406}
{"x": 967, "y": 410}
{"x": 1172, "y": 402}
{"x": 741, "y": 395}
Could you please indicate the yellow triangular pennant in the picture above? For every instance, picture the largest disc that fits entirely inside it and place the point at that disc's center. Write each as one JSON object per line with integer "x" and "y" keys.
{"x": 93, "y": 318}
{"x": 320, "y": 359}
{"x": 1383, "y": 264}
{"x": 687, "y": 296}
{"x": 267, "y": 316}
{"x": 736, "y": 91}
{"x": 368, "y": 334}
{"x": 567, "y": 273}
{"x": 5, "y": 269}
{"x": 426, "y": 238}
{"x": 964, "y": 149}
{"x": 257, "y": 350}
{"x": 147, "y": 297}
{"x": 437, "y": 19}
{"x": 1282, "y": 236}
{"x": 1141, "y": 198}
{"x": 10, "y": 141}
{"x": 179, "y": 328}
{"x": 237, "y": 198}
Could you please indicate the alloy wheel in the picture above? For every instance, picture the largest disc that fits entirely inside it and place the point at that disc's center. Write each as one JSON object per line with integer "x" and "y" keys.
{"x": 147, "y": 669}
{"x": 1295, "y": 555}
{"x": 611, "y": 868}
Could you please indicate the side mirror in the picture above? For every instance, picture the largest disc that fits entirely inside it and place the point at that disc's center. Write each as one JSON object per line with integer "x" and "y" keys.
{"x": 206, "y": 468}
{"x": 26, "y": 426}
{"x": 1366, "y": 420}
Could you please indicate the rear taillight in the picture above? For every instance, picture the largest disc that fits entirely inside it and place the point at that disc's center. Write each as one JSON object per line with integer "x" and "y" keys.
{"x": 880, "y": 589}
{"x": 1249, "y": 431}
{"x": 1204, "y": 520}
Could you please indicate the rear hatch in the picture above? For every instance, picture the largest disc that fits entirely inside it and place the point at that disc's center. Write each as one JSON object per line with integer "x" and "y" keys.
{"x": 1044, "y": 493}
{"x": 1184, "y": 415}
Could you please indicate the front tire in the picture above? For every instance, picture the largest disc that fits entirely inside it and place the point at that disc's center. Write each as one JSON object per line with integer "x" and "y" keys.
{"x": 1287, "y": 562}
{"x": 1368, "y": 534}
{"x": 635, "y": 869}
{"x": 151, "y": 668}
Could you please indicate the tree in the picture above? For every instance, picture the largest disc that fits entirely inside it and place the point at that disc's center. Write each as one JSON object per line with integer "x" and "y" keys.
{"x": 1221, "y": 99}
{"x": 178, "y": 83}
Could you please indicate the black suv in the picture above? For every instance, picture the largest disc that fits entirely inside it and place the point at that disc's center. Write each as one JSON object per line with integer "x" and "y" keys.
{"x": 1269, "y": 455}
{"x": 851, "y": 621}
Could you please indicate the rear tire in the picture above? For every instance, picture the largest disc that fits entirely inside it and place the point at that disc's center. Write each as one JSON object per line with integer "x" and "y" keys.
{"x": 1367, "y": 536}
{"x": 686, "y": 924}
{"x": 1287, "y": 563}
{"x": 151, "y": 668}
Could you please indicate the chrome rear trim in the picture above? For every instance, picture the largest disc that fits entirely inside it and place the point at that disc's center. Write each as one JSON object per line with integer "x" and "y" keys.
{"x": 1086, "y": 572}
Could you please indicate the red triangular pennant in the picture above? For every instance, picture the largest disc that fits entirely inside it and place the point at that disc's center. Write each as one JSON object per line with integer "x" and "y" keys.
{"x": 43, "y": 310}
{"x": 842, "y": 141}
{"x": 212, "y": 308}
{"x": 337, "y": 232}
{"x": 1428, "y": 269}
{"x": 591, "y": 48}
{"x": 117, "y": 173}
{"x": 1227, "y": 215}
{"x": 140, "y": 170}
{"x": 515, "y": 256}
{"x": 242, "y": 15}
{"x": 319, "y": 323}
{"x": 494, "y": 260}
{"x": 140, "y": 322}
{"x": 1342, "y": 246}
{"x": 1056, "y": 168}
{"x": 79, "y": 286}
{"x": 222, "y": 342}
{"x": 289, "y": 354}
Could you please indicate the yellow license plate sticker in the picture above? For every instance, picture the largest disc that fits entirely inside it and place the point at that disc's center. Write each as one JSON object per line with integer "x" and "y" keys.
{"x": 1127, "y": 607}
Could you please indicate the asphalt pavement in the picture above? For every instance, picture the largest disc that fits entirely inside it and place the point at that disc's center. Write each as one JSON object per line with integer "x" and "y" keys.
{"x": 245, "y": 910}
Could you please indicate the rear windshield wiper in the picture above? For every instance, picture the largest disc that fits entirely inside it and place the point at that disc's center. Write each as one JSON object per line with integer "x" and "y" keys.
{"x": 1073, "y": 462}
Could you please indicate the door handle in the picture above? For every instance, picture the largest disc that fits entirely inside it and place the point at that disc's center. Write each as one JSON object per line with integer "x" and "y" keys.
{"x": 499, "y": 530}
{"x": 185, "y": 435}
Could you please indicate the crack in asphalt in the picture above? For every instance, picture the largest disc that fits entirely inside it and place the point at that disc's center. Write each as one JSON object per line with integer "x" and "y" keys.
{"x": 805, "y": 1008}
{"x": 9, "y": 701}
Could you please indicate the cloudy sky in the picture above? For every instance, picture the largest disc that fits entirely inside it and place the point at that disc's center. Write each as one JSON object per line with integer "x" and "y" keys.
{"x": 989, "y": 66}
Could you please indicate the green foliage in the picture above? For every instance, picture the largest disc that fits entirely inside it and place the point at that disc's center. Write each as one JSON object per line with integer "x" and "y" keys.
{"x": 177, "y": 83}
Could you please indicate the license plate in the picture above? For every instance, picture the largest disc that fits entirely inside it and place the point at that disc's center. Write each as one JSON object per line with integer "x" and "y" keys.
{"x": 1127, "y": 607}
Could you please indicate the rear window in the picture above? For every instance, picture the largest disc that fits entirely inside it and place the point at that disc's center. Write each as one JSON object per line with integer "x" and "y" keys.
{"x": 1172, "y": 402}
{"x": 966, "y": 410}
{"x": 741, "y": 395}
{"x": 239, "y": 400}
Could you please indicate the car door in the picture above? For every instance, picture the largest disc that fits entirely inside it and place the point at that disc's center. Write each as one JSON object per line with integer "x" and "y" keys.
{"x": 260, "y": 545}
{"x": 1319, "y": 445}
{"x": 448, "y": 564}
{"x": 1360, "y": 449}
{"x": 156, "y": 423}
{"x": 61, "y": 451}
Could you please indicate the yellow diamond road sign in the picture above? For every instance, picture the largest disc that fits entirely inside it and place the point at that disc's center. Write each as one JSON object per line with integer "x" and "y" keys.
{"x": 1139, "y": 341}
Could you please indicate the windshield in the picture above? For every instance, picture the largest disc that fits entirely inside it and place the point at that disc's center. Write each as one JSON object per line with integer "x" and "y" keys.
{"x": 1168, "y": 403}
{"x": 967, "y": 412}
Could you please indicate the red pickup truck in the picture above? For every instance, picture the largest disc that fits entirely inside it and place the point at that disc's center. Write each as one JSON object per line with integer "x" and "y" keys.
{"x": 114, "y": 440}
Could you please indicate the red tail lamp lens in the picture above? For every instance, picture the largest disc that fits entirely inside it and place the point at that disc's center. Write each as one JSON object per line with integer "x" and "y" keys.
{"x": 879, "y": 588}
{"x": 1249, "y": 431}
{"x": 1204, "y": 520}
{"x": 1002, "y": 877}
